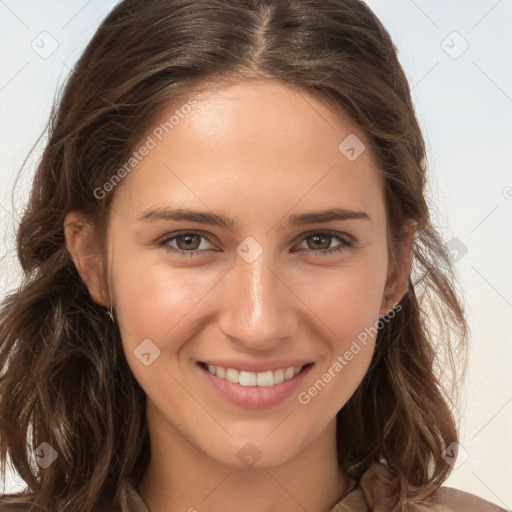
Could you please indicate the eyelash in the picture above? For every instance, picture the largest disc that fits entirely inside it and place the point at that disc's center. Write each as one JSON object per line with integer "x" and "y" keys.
{"x": 344, "y": 245}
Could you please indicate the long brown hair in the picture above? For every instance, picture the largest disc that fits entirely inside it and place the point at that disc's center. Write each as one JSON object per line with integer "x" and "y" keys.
{"x": 65, "y": 379}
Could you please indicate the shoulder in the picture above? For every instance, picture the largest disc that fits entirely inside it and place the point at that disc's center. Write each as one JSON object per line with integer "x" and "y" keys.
{"x": 380, "y": 491}
{"x": 447, "y": 499}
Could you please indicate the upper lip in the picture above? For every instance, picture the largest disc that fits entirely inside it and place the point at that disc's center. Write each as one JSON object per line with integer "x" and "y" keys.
{"x": 256, "y": 366}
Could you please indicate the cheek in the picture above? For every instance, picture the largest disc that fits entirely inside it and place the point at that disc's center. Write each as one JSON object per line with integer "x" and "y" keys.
{"x": 349, "y": 308}
{"x": 155, "y": 301}
{"x": 348, "y": 303}
{"x": 347, "y": 299}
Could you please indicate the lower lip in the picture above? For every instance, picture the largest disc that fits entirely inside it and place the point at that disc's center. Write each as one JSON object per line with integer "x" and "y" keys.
{"x": 253, "y": 397}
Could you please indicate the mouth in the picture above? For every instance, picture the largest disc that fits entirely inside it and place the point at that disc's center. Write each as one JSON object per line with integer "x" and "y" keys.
{"x": 251, "y": 379}
{"x": 253, "y": 390}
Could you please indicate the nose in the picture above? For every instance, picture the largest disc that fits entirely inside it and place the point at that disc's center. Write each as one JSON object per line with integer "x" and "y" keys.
{"x": 258, "y": 305}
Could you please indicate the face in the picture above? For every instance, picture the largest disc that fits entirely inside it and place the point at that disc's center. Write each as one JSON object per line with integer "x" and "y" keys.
{"x": 249, "y": 285}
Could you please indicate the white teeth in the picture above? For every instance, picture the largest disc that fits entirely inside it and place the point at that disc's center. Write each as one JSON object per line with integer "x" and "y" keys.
{"x": 232, "y": 375}
{"x": 289, "y": 373}
{"x": 247, "y": 378}
{"x": 278, "y": 376}
{"x": 262, "y": 379}
{"x": 265, "y": 378}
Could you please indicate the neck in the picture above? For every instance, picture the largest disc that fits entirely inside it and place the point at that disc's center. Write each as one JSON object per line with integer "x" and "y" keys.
{"x": 189, "y": 480}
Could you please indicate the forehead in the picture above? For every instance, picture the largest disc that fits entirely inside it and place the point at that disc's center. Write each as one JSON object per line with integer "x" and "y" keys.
{"x": 254, "y": 142}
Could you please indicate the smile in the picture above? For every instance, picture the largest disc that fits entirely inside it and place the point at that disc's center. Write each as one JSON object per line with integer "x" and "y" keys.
{"x": 262, "y": 379}
{"x": 253, "y": 390}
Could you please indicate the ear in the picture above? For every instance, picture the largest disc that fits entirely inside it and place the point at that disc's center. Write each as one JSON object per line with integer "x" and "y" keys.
{"x": 81, "y": 243}
{"x": 398, "y": 279}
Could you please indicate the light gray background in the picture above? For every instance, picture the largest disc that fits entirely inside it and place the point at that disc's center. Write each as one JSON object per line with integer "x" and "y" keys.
{"x": 464, "y": 104}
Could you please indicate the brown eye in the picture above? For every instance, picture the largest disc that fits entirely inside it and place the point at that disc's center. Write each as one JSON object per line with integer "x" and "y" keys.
{"x": 188, "y": 241}
{"x": 320, "y": 243}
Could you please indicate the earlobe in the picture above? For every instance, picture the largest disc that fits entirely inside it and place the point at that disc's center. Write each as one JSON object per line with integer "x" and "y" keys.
{"x": 82, "y": 245}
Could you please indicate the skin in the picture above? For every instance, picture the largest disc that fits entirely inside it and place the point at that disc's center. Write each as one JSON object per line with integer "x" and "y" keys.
{"x": 256, "y": 152}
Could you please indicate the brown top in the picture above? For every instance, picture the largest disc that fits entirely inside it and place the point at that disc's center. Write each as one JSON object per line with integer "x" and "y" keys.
{"x": 369, "y": 495}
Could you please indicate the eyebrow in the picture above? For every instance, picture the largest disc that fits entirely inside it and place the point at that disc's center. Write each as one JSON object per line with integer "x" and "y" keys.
{"x": 213, "y": 219}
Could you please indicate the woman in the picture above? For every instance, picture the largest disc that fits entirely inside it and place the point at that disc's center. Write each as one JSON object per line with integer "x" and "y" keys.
{"x": 179, "y": 341}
